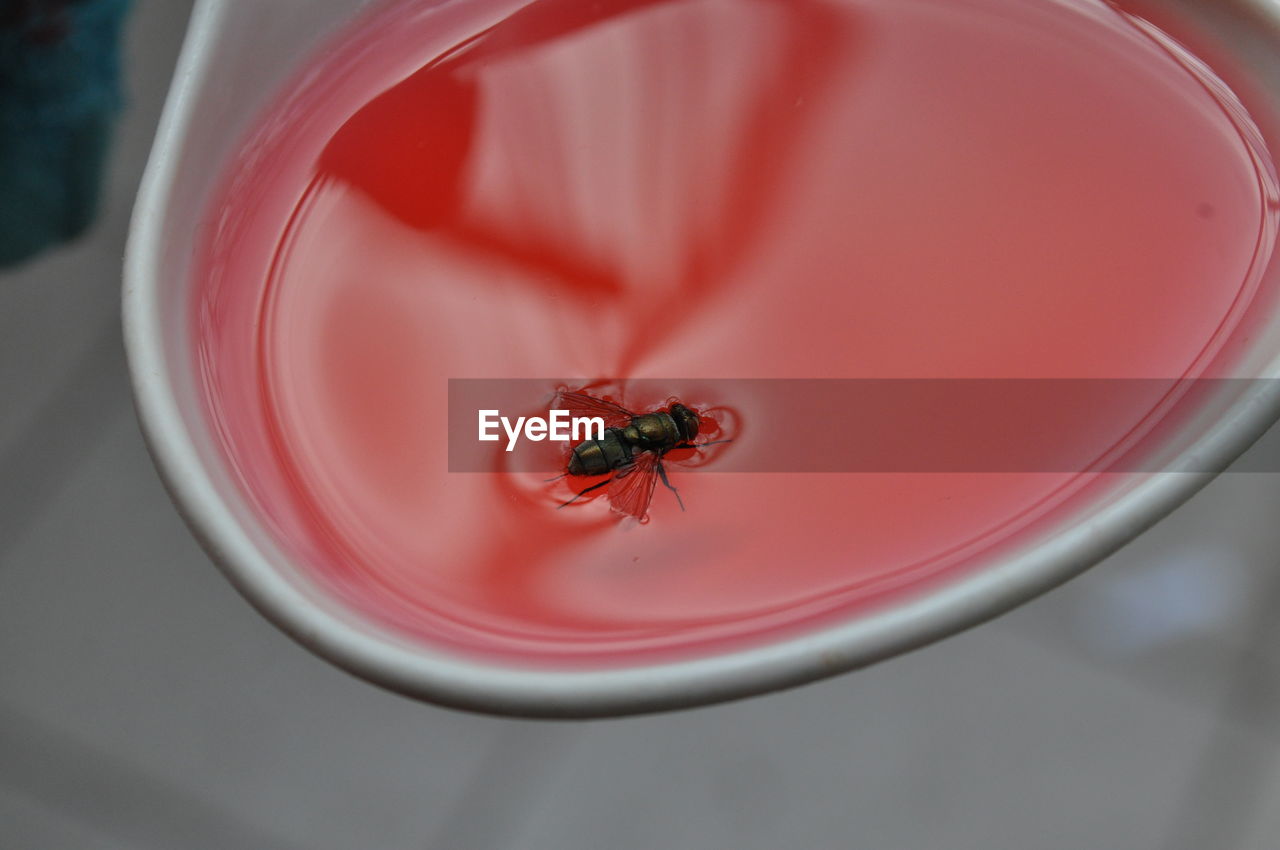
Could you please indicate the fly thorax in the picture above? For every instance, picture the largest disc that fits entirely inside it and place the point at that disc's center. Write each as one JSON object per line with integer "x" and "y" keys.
{"x": 655, "y": 430}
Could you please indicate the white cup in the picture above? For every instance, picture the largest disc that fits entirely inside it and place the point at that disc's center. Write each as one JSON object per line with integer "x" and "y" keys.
{"x": 236, "y": 53}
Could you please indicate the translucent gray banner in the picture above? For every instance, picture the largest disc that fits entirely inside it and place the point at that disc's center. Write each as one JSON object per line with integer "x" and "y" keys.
{"x": 861, "y": 425}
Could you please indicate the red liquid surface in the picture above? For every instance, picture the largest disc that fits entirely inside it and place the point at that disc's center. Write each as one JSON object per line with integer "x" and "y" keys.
{"x": 692, "y": 190}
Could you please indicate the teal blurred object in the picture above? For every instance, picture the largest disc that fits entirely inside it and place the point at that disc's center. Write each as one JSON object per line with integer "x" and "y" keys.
{"x": 59, "y": 97}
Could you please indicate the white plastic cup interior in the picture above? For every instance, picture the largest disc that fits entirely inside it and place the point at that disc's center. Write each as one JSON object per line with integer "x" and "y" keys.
{"x": 236, "y": 54}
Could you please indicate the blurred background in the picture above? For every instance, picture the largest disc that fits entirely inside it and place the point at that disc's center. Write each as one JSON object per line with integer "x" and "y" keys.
{"x": 143, "y": 704}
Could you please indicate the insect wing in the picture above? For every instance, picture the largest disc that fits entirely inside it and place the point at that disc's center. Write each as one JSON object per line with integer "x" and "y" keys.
{"x": 632, "y": 490}
{"x": 582, "y": 406}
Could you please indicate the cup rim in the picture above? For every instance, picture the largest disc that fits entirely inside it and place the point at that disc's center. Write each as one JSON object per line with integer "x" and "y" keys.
{"x": 414, "y": 670}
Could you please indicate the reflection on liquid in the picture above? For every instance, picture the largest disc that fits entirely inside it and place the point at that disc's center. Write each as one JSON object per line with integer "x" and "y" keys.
{"x": 697, "y": 189}
{"x": 623, "y": 154}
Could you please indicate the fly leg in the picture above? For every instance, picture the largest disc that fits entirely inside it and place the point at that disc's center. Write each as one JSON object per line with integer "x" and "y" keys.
{"x": 662, "y": 473}
{"x": 582, "y": 493}
{"x": 700, "y": 445}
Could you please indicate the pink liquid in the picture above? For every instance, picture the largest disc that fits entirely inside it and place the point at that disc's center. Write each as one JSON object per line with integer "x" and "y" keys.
{"x": 691, "y": 190}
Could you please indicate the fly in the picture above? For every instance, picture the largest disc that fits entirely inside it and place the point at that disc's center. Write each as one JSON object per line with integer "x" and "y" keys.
{"x": 630, "y": 451}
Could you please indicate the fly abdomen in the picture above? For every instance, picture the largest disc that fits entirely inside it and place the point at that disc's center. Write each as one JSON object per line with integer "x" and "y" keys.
{"x": 596, "y": 457}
